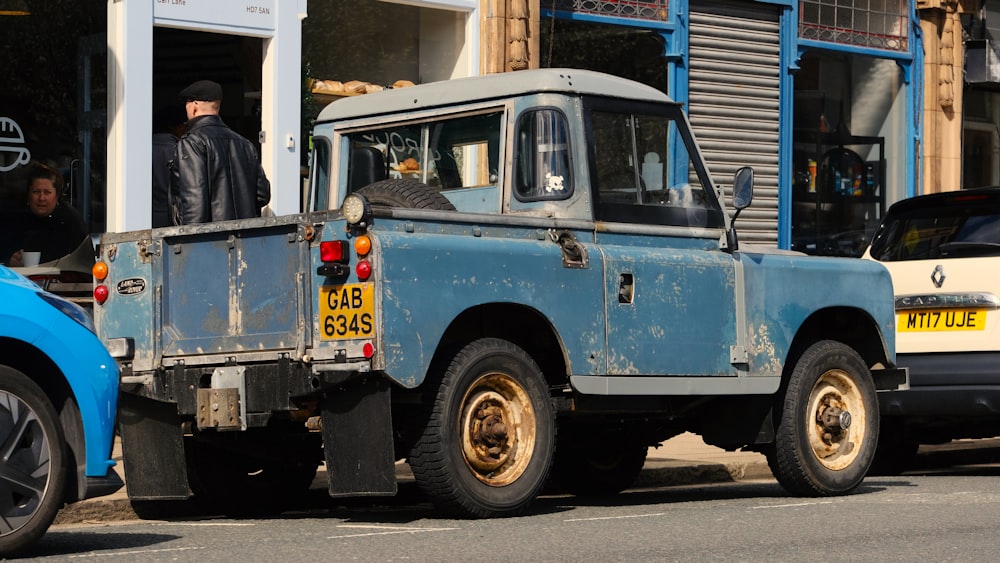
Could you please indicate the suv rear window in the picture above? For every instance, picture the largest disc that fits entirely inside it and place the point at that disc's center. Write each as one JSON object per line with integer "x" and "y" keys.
{"x": 953, "y": 226}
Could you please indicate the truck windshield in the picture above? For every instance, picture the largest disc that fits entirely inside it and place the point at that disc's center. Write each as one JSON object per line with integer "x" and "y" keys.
{"x": 643, "y": 172}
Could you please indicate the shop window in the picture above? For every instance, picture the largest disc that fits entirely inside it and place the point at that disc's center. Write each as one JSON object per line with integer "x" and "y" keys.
{"x": 849, "y": 151}
{"x": 642, "y": 173}
{"x": 878, "y": 24}
{"x": 382, "y": 42}
{"x": 454, "y": 155}
{"x": 980, "y": 155}
{"x": 634, "y": 9}
{"x": 542, "y": 167}
{"x": 629, "y": 52}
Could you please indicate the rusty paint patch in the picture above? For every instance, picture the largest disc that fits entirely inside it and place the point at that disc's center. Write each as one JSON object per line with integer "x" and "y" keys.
{"x": 763, "y": 354}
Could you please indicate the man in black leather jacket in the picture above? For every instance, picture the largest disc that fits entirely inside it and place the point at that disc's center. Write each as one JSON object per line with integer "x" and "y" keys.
{"x": 216, "y": 173}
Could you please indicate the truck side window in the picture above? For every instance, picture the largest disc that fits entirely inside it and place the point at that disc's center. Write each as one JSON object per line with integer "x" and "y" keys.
{"x": 643, "y": 172}
{"x": 319, "y": 174}
{"x": 542, "y": 167}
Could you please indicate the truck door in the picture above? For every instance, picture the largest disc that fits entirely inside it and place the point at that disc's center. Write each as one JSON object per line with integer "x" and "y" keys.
{"x": 669, "y": 288}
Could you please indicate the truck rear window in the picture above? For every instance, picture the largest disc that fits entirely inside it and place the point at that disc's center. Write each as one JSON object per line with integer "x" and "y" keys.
{"x": 448, "y": 154}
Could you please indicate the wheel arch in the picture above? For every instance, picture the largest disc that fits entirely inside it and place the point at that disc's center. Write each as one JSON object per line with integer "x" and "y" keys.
{"x": 522, "y": 325}
{"x": 850, "y": 325}
{"x": 37, "y": 366}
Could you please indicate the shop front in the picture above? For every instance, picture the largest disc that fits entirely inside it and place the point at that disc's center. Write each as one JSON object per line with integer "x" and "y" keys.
{"x": 816, "y": 95}
{"x": 721, "y": 58}
{"x": 68, "y": 104}
{"x": 981, "y": 100}
{"x": 853, "y": 128}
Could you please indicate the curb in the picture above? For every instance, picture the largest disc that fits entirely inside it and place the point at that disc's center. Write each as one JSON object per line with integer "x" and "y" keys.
{"x": 656, "y": 473}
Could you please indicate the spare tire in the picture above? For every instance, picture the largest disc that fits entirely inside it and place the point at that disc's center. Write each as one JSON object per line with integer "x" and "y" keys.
{"x": 397, "y": 192}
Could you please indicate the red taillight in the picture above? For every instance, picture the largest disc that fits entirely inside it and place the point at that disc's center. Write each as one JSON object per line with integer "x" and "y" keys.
{"x": 333, "y": 251}
{"x": 368, "y": 350}
{"x": 101, "y": 294}
{"x": 363, "y": 269}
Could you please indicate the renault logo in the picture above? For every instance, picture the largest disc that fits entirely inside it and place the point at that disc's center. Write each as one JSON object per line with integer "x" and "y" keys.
{"x": 937, "y": 276}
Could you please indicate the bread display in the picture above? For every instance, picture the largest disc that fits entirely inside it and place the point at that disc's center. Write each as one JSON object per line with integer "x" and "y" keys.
{"x": 328, "y": 86}
{"x": 351, "y": 87}
{"x": 355, "y": 86}
{"x": 408, "y": 165}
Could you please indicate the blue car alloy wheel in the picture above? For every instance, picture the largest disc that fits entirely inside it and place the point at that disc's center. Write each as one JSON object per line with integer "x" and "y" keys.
{"x": 32, "y": 466}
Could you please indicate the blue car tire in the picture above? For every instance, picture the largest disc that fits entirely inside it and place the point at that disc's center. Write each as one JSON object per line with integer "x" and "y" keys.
{"x": 32, "y": 462}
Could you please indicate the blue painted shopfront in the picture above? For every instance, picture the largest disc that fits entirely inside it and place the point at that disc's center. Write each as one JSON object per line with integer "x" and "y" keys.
{"x": 834, "y": 105}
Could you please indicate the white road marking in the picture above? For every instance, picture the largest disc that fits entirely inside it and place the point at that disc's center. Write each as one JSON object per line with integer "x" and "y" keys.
{"x": 135, "y": 552}
{"x": 385, "y": 530}
{"x": 794, "y": 504}
{"x": 208, "y": 524}
{"x": 614, "y": 517}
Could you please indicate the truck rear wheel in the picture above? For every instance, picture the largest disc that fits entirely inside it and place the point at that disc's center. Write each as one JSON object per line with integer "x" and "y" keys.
{"x": 826, "y": 437}
{"x": 33, "y": 471}
{"x": 396, "y": 192}
{"x": 486, "y": 448}
{"x": 242, "y": 486}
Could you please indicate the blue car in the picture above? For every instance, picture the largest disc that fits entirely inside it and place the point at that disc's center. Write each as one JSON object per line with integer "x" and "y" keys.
{"x": 58, "y": 398}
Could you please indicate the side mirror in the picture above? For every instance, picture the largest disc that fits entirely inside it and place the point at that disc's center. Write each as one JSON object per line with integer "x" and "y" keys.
{"x": 742, "y": 196}
{"x": 743, "y": 188}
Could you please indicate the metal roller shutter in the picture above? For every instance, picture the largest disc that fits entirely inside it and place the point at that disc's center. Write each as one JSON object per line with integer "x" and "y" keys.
{"x": 734, "y": 88}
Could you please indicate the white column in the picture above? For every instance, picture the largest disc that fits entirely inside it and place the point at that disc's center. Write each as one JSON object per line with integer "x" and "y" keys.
{"x": 281, "y": 108}
{"x": 130, "y": 129}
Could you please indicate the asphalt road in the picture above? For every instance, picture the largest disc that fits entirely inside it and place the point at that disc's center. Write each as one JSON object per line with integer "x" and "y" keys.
{"x": 937, "y": 514}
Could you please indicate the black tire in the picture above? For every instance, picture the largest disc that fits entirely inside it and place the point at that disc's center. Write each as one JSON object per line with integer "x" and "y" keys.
{"x": 486, "y": 447}
{"x": 607, "y": 465}
{"x": 396, "y": 192}
{"x": 813, "y": 458}
{"x": 897, "y": 449}
{"x": 242, "y": 486}
{"x": 33, "y": 473}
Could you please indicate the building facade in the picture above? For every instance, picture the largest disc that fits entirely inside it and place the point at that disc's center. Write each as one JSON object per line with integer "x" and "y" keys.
{"x": 829, "y": 100}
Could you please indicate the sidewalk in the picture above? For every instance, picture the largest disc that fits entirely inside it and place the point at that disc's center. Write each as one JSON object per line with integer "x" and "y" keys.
{"x": 682, "y": 460}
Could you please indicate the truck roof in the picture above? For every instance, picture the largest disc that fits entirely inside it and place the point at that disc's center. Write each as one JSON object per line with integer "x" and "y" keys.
{"x": 490, "y": 87}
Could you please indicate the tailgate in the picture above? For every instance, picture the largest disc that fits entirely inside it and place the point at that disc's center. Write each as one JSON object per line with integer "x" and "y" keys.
{"x": 214, "y": 292}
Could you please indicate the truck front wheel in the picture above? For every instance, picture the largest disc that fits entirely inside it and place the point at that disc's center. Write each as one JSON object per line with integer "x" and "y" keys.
{"x": 826, "y": 437}
{"x": 487, "y": 445}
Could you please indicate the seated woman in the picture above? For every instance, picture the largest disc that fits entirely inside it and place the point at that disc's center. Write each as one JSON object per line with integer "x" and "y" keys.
{"x": 46, "y": 225}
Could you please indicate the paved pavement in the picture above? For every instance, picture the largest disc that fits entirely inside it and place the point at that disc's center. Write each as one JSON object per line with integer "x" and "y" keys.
{"x": 685, "y": 459}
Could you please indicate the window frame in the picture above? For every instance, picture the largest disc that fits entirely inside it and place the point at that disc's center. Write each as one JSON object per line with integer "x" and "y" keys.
{"x": 714, "y": 215}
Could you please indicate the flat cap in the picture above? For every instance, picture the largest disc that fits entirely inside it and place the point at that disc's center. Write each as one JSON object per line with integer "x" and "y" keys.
{"x": 203, "y": 91}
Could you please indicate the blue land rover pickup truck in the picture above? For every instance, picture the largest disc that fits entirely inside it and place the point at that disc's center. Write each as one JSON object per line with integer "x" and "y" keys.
{"x": 506, "y": 280}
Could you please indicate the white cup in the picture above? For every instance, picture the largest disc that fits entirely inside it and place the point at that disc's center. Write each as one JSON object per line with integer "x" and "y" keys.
{"x": 30, "y": 258}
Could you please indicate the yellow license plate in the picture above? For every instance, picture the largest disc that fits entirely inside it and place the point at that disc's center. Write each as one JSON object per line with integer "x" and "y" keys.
{"x": 940, "y": 320}
{"x": 347, "y": 311}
